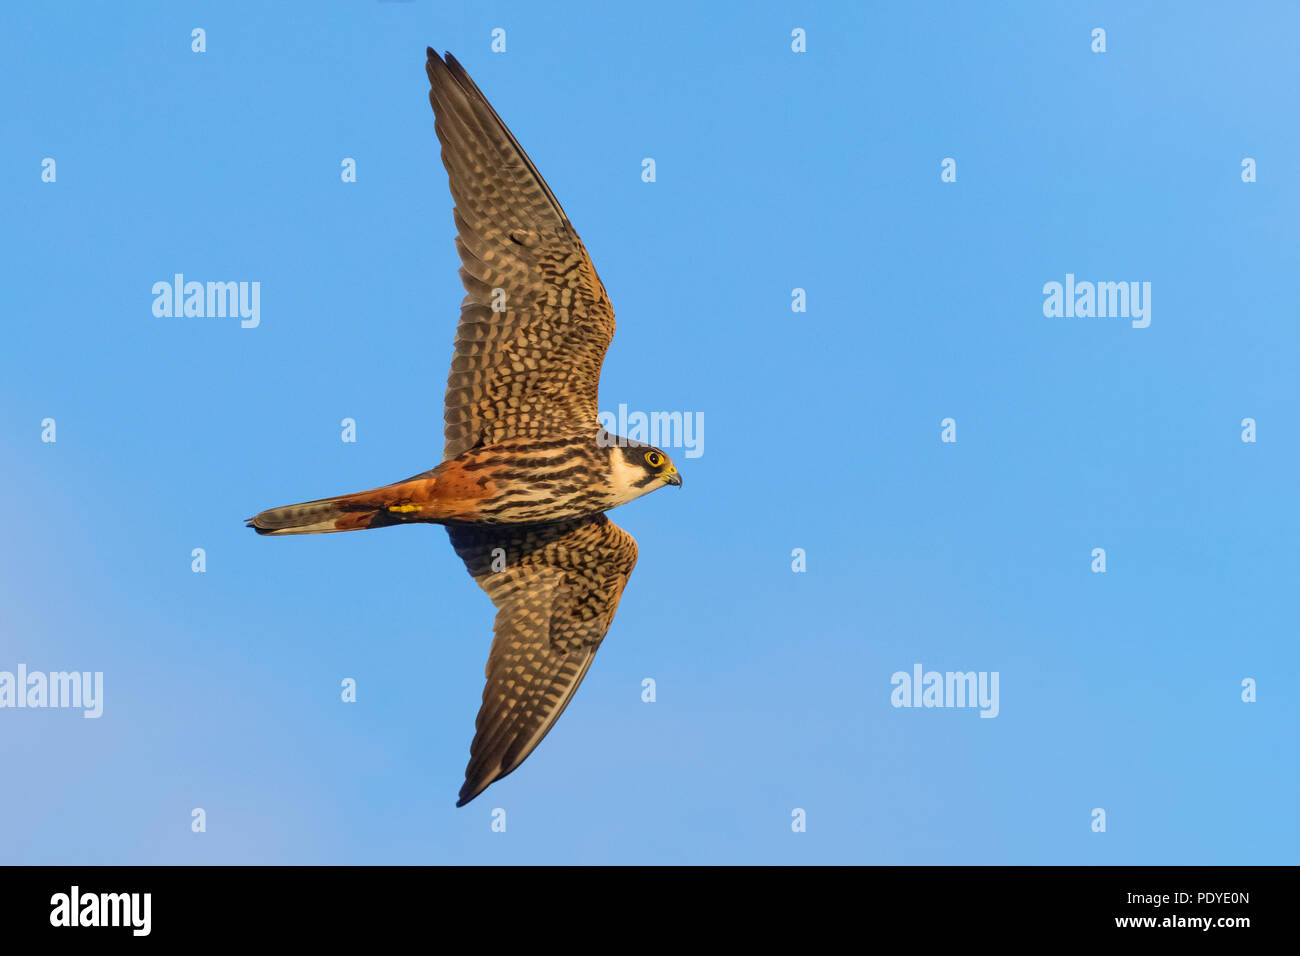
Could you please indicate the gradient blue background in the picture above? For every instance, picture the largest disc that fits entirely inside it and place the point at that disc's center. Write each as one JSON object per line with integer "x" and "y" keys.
{"x": 775, "y": 171}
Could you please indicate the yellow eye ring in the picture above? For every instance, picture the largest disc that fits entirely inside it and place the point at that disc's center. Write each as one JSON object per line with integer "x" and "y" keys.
{"x": 654, "y": 459}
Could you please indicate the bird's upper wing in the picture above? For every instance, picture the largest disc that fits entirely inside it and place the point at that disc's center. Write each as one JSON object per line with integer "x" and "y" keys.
{"x": 555, "y": 598}
{"x": 536, "y": 322}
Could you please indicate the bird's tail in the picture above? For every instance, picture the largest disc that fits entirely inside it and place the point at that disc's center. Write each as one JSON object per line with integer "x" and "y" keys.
{"x": 378, "y": 508}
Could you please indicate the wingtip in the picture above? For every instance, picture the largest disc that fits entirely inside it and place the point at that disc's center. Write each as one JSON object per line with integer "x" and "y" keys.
{"x": 471, "y": 789}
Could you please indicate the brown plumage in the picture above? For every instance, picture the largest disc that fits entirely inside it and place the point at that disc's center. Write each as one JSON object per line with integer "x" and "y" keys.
{"x": 533, "y": 368}
{"x": 554, "y": 601}
{"x": 527, "y": 473}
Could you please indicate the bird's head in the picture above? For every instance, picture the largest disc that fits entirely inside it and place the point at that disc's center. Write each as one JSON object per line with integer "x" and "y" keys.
{"x": 637, "y": 469}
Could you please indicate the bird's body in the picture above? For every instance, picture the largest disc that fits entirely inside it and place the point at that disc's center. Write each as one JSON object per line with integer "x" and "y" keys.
{"x": 527, "y": 473}
{"x": 520, "y": 481}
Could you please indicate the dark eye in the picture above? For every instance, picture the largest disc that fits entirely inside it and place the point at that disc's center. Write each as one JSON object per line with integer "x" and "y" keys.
{"x": 654, "y": 458}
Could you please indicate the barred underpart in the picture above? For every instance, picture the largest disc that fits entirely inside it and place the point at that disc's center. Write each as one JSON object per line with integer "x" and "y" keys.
{"x": 530, "y": 481}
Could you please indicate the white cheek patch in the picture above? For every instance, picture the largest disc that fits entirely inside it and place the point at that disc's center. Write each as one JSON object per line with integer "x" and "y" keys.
{"x": 623, "y": 476}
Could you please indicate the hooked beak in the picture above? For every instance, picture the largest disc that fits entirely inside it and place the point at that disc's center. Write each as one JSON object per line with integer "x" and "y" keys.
{"x": 671, "y": 477}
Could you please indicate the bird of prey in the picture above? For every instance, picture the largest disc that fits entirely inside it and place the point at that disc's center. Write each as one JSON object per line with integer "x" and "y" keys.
{"x": 527, "y": 472}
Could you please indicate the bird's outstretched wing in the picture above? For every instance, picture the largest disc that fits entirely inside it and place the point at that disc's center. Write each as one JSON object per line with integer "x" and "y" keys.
{"x": 536, "y": 322}
{"x": 556, "y": 594}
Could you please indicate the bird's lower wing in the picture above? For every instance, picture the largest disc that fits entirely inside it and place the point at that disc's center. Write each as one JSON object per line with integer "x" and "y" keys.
{"x": 556, "y": 588}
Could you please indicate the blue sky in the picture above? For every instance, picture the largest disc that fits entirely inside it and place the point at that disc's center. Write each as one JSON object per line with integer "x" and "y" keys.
{"x": 775, "y": 170}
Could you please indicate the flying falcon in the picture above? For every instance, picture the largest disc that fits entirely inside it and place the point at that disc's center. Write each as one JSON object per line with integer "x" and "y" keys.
{"x": 527, "y": 472}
